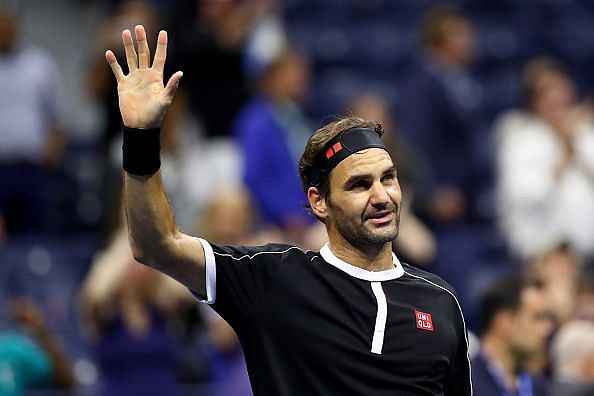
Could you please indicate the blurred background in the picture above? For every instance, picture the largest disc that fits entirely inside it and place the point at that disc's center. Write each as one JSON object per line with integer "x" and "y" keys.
{"x": 487, "y": 110}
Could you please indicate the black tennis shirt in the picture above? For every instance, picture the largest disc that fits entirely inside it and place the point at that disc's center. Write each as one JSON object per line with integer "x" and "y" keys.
{"x": 311, "y": 324}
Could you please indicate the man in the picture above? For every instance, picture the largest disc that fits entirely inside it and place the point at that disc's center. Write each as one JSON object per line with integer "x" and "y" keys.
{"x": 442, "y": 113}
{"x": 350, "y": 319}
{"x": 573, "y": 359}
{"x": 32, "y": 139}
{"x": 275, "y": 116}
{"x": 516, "y": 323}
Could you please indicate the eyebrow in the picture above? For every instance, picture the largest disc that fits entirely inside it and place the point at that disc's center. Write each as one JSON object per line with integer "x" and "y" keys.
{"x": 361, "y": 177}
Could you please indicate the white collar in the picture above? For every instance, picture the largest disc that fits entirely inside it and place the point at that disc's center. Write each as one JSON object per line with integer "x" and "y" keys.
{"x": 360, "y": 273}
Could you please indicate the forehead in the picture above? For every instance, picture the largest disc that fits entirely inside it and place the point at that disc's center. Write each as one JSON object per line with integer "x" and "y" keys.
{"x": 371, "y": 161}
{"x": 532, "y": 299}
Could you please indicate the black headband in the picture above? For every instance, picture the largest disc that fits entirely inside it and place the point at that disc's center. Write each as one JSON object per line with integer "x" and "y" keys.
{"x": 342, "y": 146}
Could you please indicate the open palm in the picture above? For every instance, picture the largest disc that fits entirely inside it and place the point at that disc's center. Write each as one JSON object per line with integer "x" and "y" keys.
{"x": 143, "y": 97}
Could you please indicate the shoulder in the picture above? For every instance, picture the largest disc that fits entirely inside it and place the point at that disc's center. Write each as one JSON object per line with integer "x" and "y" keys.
{"x": 515, "y": 123}
{"x": 37, "y": 57}
{"x": 430, "y": 281}
{"x": 273, "y": 250}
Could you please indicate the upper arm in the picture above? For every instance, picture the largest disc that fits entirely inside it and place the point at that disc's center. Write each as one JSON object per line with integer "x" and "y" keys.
{"x": 185, "y": 262}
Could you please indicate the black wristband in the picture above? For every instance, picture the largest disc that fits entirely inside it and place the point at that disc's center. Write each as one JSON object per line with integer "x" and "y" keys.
{"x": 141, "y": 150}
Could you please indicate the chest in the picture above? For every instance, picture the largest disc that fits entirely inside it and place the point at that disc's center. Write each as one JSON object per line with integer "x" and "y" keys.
{"x": 330, "y": 316}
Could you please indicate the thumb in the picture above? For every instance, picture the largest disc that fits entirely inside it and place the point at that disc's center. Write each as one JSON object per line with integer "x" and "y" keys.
{"x": 172, "y": 85}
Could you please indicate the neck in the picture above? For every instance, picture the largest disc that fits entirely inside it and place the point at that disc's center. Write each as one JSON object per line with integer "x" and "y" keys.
{"x": 443, "y": 59}
{"x": 498, "y": 353}
{"x": 371, "y": 259}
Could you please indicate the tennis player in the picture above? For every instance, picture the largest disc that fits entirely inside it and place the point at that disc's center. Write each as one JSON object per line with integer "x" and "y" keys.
{"x": 350, "y": 319}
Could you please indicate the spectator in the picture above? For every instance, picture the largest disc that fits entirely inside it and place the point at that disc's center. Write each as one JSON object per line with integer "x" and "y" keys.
{"x": 31, "y": 362}
{"x": 516, "y": 324}
{"x": 207, "y": 41}
{"x": 559, "y": 271}
{"x": 573, "y": 360}
{"x": 126, "y": 308}
{"x": 272, "y": 132}
{"x": 545, "y": 166}
{"x": 31, "y": 126}
{"x": 440, "y": 113}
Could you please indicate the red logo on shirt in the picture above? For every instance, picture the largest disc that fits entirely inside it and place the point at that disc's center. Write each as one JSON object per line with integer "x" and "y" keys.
{"x": 423, "y": 320}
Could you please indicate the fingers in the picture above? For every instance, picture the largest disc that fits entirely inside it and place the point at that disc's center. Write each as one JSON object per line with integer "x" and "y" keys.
{"x": 143, "y": 48}
{"x": 160, "y": 52}
{"x": 172, "y": 85}
{"x": 115, "y": 66}
{"x": 130, "y": 52}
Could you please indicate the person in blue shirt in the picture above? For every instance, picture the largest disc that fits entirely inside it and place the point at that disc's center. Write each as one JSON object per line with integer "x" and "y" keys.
{"x": 516, "y": 324}
{"x": 31, "y": 357}
{"x": 272, "y": 131}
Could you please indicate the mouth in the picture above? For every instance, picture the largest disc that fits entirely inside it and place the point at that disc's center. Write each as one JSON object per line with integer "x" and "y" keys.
{"x": 382, "y": 217}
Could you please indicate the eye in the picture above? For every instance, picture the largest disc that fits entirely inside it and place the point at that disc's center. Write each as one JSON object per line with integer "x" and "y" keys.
{"x": 389, "y": 177}
{"x": 361, "y": 184}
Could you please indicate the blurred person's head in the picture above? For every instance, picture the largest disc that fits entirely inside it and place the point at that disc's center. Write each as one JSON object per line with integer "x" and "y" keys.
{"x": 573, "y": 351}
{"x": 228, "y": 217}
{"x": 127, "y": 15}
{"x": 139, "y": 282}
{"x": 558, "y": 269}
{"x": 447, "y": 35}
{"x": 548, "y": 90}
{"x": 8, "y": 25}
{"x": 514, "y": 314}
{"x": 287, "y": 77}
{"x": 214, "y": 11}
{"x": 373, "y": 106}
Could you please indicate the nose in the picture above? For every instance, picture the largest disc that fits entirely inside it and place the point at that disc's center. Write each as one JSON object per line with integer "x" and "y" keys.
{"x": 379, "y": 195}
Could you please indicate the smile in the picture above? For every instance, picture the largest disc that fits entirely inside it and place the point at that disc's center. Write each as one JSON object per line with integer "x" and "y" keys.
{"x": 382, "y": 218}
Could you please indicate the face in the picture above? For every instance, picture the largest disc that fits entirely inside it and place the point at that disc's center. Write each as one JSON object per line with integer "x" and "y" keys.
{"x": 459, "y": 41}
{"x": 292, "y": 77}
{"x": 363, "y": 207}
{"x": 553, "y": 97}
{"x": 7, "y": 32}
{"x": 531, "y": 324}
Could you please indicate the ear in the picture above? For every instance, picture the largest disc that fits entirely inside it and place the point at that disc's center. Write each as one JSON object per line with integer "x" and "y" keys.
{"x": 503, "y": 322}
{"x": 317, "y": 203}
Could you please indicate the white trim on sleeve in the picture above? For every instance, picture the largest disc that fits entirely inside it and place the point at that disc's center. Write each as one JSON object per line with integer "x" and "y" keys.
{"x": 211, "y": 273}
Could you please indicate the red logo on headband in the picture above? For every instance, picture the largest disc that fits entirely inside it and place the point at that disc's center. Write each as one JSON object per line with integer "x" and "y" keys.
{"x": 333, "y": 150}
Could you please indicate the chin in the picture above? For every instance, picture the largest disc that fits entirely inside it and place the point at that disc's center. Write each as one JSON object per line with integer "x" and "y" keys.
{"x": 383, "y": 236}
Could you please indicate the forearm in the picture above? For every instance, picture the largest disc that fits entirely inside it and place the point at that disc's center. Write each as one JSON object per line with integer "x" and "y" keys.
{"x": 151, "y": 225}
{"x": 63, "y": 377}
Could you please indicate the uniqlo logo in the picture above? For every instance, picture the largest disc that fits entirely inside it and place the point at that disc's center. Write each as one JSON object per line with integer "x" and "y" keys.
{"x": 423, "y": 320}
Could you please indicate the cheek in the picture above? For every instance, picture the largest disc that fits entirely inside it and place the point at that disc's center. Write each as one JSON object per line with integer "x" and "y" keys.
{"x": 395, "y": 194}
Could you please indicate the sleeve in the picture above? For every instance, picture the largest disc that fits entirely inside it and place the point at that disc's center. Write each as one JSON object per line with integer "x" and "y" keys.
{"x": 238, "y": 279}
{"x": 458, "y": 381}
{"x": 34, "y": 363}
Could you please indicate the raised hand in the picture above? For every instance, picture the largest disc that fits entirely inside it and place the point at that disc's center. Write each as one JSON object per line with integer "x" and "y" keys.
{"x": 142, "y": 96}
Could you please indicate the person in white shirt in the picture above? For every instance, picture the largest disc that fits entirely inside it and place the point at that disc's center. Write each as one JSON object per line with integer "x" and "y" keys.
{"x": 545, "y": 167}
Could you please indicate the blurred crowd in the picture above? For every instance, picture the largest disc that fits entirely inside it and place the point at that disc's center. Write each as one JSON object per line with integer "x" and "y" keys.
{"x": 486, "y": 107}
